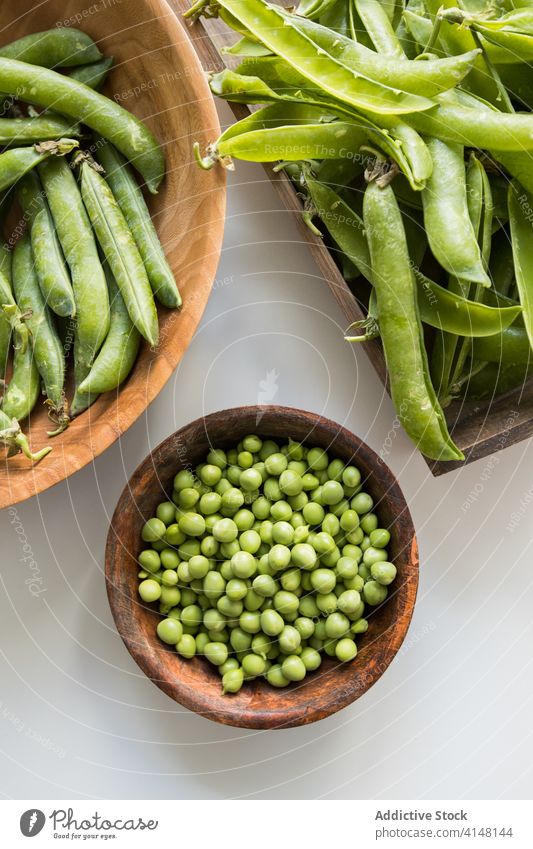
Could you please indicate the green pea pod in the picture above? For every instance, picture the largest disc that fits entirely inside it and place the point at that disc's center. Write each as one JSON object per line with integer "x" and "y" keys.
{"x": 31, "y": 130}
{"x": 79, "y": 248}
{"x": 400, "y": 327}
{"x": 520, "y": 220}
{"x": 501, "y": 263}
{"x": 54, "y": 279}
{"x": 512, "y": 347}
{"x": 449, "y": 229}
{"x": 281, "y": 114}
{"x": 61, "y": 47}
{"x": 295, "y": 143}
{"x": 120, "y": 251}
{"x": 12, "y": 437}
{"x": 314, "y": 8}
{"x": 277, "y": 32}
{"x": 93, "y": 75}
{"x": 458, "y": 124}
{"x": 241, "y": 89}
{"x": 75, "y": 100}
{"x": 45, "y": 343}
{"x": 119, "y": 351}
{"x": 419, "y": 77}
{"x": 343, "y": 224}
{"x": 17, "y": 162}
{"x": 11, "y": 318}
{"x": 379, "y": 27}
{"x": 512, "y": 32}
{"x": 24, "y": 386}
{"x": 246, "y": 47}
{"x": 131, "y": 201}
{"x": 450, "y": 312}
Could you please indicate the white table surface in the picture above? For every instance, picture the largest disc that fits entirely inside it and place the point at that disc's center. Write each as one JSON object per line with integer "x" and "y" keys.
{"x": 451, "y": 718}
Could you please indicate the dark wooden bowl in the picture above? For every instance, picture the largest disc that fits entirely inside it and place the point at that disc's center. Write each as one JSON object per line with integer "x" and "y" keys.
{"x": 194, "y": 683}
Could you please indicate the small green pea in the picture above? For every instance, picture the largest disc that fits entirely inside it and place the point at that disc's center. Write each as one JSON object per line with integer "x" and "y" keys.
{"x": 275, "y": 676}
{"x": 279, "y": 557}
{"x": 374, "y": 593}
{"x": 349, "y": 601}
{"x": 310, "y": 658}
{"x": 186, "y": 647}
{"x": 166, "y": 512}
{"x": 281, "y": 511}
{"x": 359, "y": 627}
{"x": 225, "y": 530}
{"x": 289, "y": 640}
{"x": 286, "y": 602}
{"x": 265, "y": 585}
{"x": 290, "y": 482}
{"x": 244, "y": 519}
{"x": 169, "y": 578}
{"x": 283, "y": 532}
{"x": 240, "y": 640}
{"x": 214, "y": 585}
{"x": 291, "y": 580}
{"x": 275, "y": 464}
{"x": 345, "y": 650}
{"x": 261, "y": 508}
{"x": 230, "y": 607}
{"x": 192, "y": 524}
{"x": 305, "y": 627}
{"x": 232, "y": 681}
{"x": 272, "y": 491}
{"x": 153, "y": 530}
{"x": 362, "y": 503}
{"x": 250, "y": 480}
{"x": 150, "y": 590}
{"x": 253, "y": 665}
{"x": 250, "y": 621}
{"x": 293, "y": 668}
{"x": 209, "y": 547}
{"x": 308, "y": 607}
{"x": 323, "y": 543}
{"x": 183, "y": 480}
{"x": 323, "y": 581}
{"x": 216, "y": 653}
{"x": 326, "y": 603}
{"x": 379, "y": 538}
{"x": 232, "y": 499}
{"x": 304, "y": 556}
{"x": 374, "y": 555}
{"x": 243, "y": 564}
{"x": 351, "y": 476}
{"x": 317, "y": 459}
{"x": 170, "y": 631}
{"x": 349, "y": 520}
{"x": 150, "y": 560}
{"x": 271, "y": 623}
{"x": 231, "y": 663}
{"x": 188, "y": 498}
{"x": 261, "y": 645}
{"x": 236, "y": 589}
{"x": 383, "y": 572}
{"x": 337, "y": 624}
{"x": 332, "y": 492}
{"x": 250, "y": 541}
{"x": 346, "y": 568}
{"x": 214, "y": 620}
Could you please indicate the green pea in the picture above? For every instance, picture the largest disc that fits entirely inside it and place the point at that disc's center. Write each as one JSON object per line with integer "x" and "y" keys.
{"x": 217, "y": 457}
{"x": 281, "y": 511}
{"x": 345, "y": 650}
{"x": 243, "y": 564}
{"x": 374, "y": 555}
{"x": 331, "y": 525}
{"x": 359, "y": 627}
{"x": 272, "y": 491}
{"x": 305, "y": 627}
{"x": 232, "y": 499}
{"x": 236, "y": 589}
{"x": 261, "y": 645}
{"x": 379, "y": 538}
{"x": 374, "y": 593}
{"x": 222, "y": 486}
{"x": 228, "y": 549}
{"x": 330, "y": 647}
{"x": 364, "y": 571}
{"x": 290, "y": 482}
{"x": 289, "y": 640}
{"x": 286, "y": 602}
{"x": 332, "y": 492}
{"x": 216, "y": 653}
{"x": 170, "y": 631}
{"x": 293, "y": 668}
{"x": 337, "y": 624}
{"x": 184, "y": 576}
{"x": 169, "y": 558}
{"x": 250, "y": 621}
{"x": 250, "y": 480}
{"x": 202, "y": 639}
{"x": 244, "y": 519}
{"x": 275, "y": 464}
{"x": 192, "y": 524}
{"x": 323, "y": 543}
{"x": 150, "y": 590}
{"x": 169, "y": 578}
{"x": 308, "y": 607}
{"x": 279, "y": 557}
{"x": 327, "y": 603}
{"x": 291, "y": 580}
{"x": 304, "y": 556}
{"x": 356, "y": 583}
{"x": 232, "y": 608}
{"x": 351, "y": 476}
{"x": 331, "y": 558}
{"x": 271, "y": 623}
{"x": 232, "y": 681}
{"x": 362, "y": 503}
{"x": 231, "y": 663}
{"x": 225, "y": 570}
{"x": 188, "y": 498}
{"x": 369, "y": 523}
{"x": 265, "y": 586}
{"x": 214, "y": 585}
{"x": 250, "y": 541}
{"x": 173, "y": 535}
{"x": 210, "y": 474}
{"x": 283, "y": 532}
{"x": 153, "y": 530}
{"x": 346, "y": 568}
{"x": 186, "y": 647}
{"x": 349, "y": 601}
{"x": 349, "y": 520}
{"x": 188, "y": 597}
{"x": 214, "y": 620}
{"x": 261, "y": 508}
{"x": 268, "y": 447}
{"x": 323, "y": 581}
{"x": 310, "y": 658}
{"x": 383, "y": 572}
{"x": 253, "y": 665}
{"x": 166, "y": 512}
{"x": 240, "y": 640}
{"x": 355, "y": 537}
{"x": 275, "y": 676}
{"x": 225, "y": 530}
{"x": 253, "y": 601}
{"x": 210, "y": 503}
{"x": 252, "y": 443}
{"x": 209, "y": 547}
{"x": 150, "y": 560}
{"x": 183, "y": 480}
{"x": 192, "y": 615}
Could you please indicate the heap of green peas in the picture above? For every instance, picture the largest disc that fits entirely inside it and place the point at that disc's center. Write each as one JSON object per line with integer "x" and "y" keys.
{"x": 265, "y": 557}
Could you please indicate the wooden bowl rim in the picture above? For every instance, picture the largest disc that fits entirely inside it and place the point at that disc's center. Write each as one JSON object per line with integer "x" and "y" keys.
{"x": 20, "y": 485}
{"x": 287, "y": 715}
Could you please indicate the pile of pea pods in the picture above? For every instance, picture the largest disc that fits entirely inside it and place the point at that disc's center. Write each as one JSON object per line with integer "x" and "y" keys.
{"x": 80, "y": 263}
{"x": 407, "y": 128}
{"x": 267, "y": 557}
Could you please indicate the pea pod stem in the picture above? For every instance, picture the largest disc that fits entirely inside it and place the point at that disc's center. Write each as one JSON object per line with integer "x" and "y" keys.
{"x": 16, "y": 442}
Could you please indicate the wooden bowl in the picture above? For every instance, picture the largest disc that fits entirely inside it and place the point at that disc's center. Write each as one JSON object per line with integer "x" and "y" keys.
{"x": 158, "y": 77}
{"x": 194, "y": 683}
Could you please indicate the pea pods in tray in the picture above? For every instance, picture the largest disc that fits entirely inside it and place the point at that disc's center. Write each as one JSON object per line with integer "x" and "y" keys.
{"x": 441, "y": 172}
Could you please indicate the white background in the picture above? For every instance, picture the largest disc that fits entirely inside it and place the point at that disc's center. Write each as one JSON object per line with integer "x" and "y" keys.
{"x": 451, "y": 718}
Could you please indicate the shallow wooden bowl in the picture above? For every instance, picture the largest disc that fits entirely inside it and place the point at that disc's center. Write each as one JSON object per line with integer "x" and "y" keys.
{"x": 194, "y": 683}
{"x": 158, "y": 77}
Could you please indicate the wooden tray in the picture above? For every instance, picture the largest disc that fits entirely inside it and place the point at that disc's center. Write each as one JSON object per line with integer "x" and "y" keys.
{"x": 157, "y": 76}
{"x": 479, "y": 428}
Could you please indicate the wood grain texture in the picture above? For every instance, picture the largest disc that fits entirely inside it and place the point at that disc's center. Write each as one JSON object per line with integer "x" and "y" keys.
{"x": 159, "y": 78}
{"x": 194, "y": 683}
{"x": 479, "y": 429}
